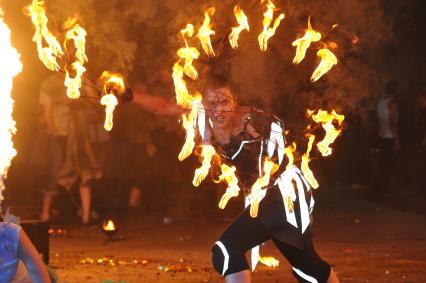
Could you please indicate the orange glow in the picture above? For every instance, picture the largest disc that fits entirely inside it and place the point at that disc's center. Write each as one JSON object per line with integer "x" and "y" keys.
{"x": 78, "y": 35}
{"x": 112, "y": 83}
{"x": 289, "y": 152}
{"x": 243, "y": 25}
{"x": 50, "y": 53}
{"x": 331, "y": 133}
{"x": 303, "y": 43}
{"x": 269, "y": 261}
{"x": 268, "y": 31}
{"x": 232, "y": 190}
{"x": 307, "y": 172}
{"x": 10, "y": 67}
{"x": 328, "y": 60}
{"x": 109, "y": 226}
{"x": 205, "y": 32}
{"x": 207, "y": 152}
{"x": 255, "y": 196}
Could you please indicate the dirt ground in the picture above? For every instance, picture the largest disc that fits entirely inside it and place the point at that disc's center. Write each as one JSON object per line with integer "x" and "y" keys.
{"x": 364, "y": 242}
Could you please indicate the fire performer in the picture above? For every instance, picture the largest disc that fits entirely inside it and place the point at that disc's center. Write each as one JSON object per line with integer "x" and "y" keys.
{"x": 243, "y": 136}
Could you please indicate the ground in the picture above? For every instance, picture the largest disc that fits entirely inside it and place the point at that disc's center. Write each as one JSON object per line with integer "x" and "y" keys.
{"x": 364, "y": 241}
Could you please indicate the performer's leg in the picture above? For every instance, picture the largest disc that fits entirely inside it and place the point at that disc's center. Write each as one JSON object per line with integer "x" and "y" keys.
{"x": 228, "y": 253}
{"x": 85, "y": 197}
{"x": 307, "y": 265}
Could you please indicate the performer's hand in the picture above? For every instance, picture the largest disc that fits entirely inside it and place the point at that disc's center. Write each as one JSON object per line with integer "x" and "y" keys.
{"x": 127, "y": 95}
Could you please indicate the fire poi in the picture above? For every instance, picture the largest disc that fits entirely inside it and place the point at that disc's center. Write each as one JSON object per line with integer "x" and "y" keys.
{"x": 211, "y": 119}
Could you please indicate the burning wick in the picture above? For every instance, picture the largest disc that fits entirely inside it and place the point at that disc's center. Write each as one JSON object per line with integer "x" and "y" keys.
{"x": 109, "y": 229}
{"x": 269, "y": 261}
{"x": 206, "y": 31}
{"x": 110, "y": 101}
{"x": 302, "y": 44}
{"x": 328, "y": 60}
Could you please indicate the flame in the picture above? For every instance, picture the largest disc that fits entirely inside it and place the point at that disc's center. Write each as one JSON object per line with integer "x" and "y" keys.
{"x": 10, "y": 67}
{"x": 243, "y": 25}
{"x": 269, "y": 168}
{"x": 188, "y": 125}
{"x": 78, "y": 35}
{"x": 268, "y": 31}
{"x": 49, "y": 54}
{"x": 269, "y": 261}
{"x": 183, "y": 98}
{"x": 307, "y": 172}
{"x": 232, "y": 190}
{"x": 112, "y": 83}
{"x": 110, "y": 101}
{"x": 328, "y": 60}
{"x": 207, "y": 152}
{"x": 303, "y": 43}
{"x": 109, "y": 226}
{"x": 331, "y": 133}
{"x": 205, "y": 32}
{"x": 188, "y": 53}
{"x": 289, "y": 152}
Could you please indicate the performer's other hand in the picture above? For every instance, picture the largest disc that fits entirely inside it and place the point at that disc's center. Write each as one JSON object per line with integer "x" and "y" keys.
{"x": 127, "y": 95}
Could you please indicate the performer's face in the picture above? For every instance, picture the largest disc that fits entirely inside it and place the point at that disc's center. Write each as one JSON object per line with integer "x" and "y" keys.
{"x": 220, "y": 104}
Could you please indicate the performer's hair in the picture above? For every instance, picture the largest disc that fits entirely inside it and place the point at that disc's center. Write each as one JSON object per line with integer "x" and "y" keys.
{"x": 216, "y": 81}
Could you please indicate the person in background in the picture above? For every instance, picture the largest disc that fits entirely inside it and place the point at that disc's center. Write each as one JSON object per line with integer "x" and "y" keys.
{"x": 388, "y": 138}
{"x": 77, "y": 142}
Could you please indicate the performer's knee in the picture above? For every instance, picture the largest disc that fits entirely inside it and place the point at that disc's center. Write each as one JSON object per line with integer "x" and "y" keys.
{"x": 316, "y": 271}
{"x": 227, "y": 258}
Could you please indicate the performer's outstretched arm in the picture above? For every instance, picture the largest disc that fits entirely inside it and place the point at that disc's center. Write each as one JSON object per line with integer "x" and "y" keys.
{"x": 156, "y": 104}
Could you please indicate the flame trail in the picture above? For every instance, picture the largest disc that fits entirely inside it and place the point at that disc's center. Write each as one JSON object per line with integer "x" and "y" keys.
{"x": 78, "y": 35}
{"x": 188, "y": 124}
{"x": 328, "y": 60}
{"x": 243, "y": 25}
{"x": 228, "y": 175}
{"x": 113, "y": 86}
{"x": 289, "y": 152}
{"x": 207, "y": 153}
{"x": 183, "y": 98}
{"x": 255, "y": 196}
{"x": 10, "y": 67}
{"x": 307, "y": 172}
{"x": 49, "y": 54}
{"x": 331, "y": 133}
{"x": 188, "y": 53}
{"x": 303, "y": 43}
{"x": 268, "y": 31}
{"x": 205, "y": 32}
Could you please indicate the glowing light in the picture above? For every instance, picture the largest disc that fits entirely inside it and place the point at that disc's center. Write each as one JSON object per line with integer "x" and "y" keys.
{"x": 328, "y": 60}
{"x": 109, "y": 226}
{"x": 243, "y": 25}
{"x": 269, "y": 31}
{"x": 269, "y": 261}
{"x": 188, "y": 53}
{"x": 110, "y": 102}
{"x": 303, "y": 43}
{"x": 205, "y": 32}
{"x": 10, "y": 67}
{"x": 50, "y": 53}
{"x": 289, "y": 152}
